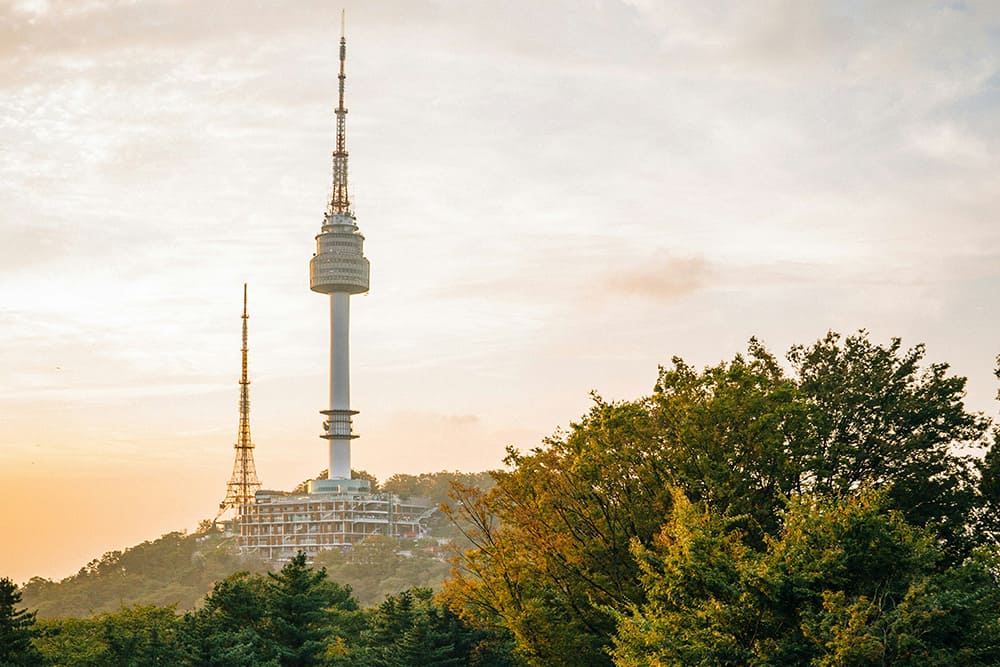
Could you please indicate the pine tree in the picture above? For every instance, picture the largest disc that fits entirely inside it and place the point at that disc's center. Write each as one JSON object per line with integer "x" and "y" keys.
{"x": 301, "y": 602}
{"x": 16, "y": 629}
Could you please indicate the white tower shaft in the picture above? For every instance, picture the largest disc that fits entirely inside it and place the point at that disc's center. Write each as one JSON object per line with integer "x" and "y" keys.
{"x": 340, "y": 380}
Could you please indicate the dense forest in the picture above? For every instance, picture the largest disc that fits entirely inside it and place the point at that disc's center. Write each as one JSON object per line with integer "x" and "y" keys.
{"x": 840, "y": 507}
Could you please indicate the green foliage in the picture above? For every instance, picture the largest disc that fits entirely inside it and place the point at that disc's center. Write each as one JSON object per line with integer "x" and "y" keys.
{"x": 298, "y": 598}
{"x": 435, "y": 486}
{"x": 72, "y": 641}
{"x": 551, "y": 559}
{"x": 552, "y": 537}
{"x": 229, "y": 630}
{"x": 729, "y": 436}
{"x": 411, "y": 629}
{"x": 17, "y": 628}
{"x": 847, "y": 582}
{"x": 290, "y": 618}
{"x": 877, "y": 418}
{"x": 130, "y": 637}
{"x": 380, "y": 566}
{"x": 176, "y": 569}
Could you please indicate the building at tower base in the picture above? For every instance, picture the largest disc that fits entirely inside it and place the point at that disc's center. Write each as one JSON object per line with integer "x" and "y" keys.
{"x": 279, "y": 525}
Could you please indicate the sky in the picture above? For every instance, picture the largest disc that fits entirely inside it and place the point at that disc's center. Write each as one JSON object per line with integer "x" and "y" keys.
{"x": 557, "y": 197}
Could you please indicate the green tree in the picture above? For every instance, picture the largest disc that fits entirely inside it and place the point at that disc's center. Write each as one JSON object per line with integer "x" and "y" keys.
{"x": 229, "y": 630}
{"x": 730, "y": 436}
{"x": 176, "y": 569}
{"x": 299, "y": 602}
{"x": 139, "y": 636}
{"x": 410, "y": 629}
{"x": 551, "y": 559}
{"x": 376, "y": 567}
{"x": 847, "y": 582}
{"x": 551, "y": 539}
{"x": 72, "y": 641}
{"x": 17, "y": 629}
{"x": 989, "y": 483}
{"x": 132, "y": 636}
{"x": 878, "y": 417}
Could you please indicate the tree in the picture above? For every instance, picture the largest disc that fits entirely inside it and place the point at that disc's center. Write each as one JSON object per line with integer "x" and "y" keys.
{"x": 131, "y": 636}
{"x": 139, "y": 636}
{"x": 847, "y": 582}
{"x": 730, "y": 436}
{"x": 72, "y": 641}
{"x": 551, "y": 539}
{"x": 989, "y": 483}
{"x": 299, "y": 600}
{"x": 176, "y": 569}
{"x": 410, "y": 628}
{"x": 230, "y": 628}
{"x": 877, "y": 417}
{"x": 551, "y": 559}
{"x": 376, "y": 567}
{"x": 17, "y": 629}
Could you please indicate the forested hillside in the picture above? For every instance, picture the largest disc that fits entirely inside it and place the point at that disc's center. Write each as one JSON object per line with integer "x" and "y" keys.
{"x": 297, "y": 616}
{"x": 179, "y": 569}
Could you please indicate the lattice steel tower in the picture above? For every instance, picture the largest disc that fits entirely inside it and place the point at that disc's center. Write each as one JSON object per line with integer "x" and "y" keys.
{"x": 339, "y": 268}
{"x": 244, "y": 483}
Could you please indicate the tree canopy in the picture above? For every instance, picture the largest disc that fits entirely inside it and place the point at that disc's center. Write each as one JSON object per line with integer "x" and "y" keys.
{"x": 17, "y": 628}
{"x": 555, "y": 542}
{"x": 846, "y": 582}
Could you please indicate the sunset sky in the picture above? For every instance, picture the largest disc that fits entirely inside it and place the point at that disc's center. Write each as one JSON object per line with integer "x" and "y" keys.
{"x": 557, "y": 197}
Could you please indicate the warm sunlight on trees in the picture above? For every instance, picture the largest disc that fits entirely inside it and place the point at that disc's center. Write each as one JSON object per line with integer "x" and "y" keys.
{"x": 846, "y": 582}
{"x": 551, "y": 561}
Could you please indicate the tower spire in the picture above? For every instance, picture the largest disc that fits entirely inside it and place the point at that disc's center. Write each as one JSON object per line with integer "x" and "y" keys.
{"x": 244, "y": 483}
{"x": 339, "y": 202}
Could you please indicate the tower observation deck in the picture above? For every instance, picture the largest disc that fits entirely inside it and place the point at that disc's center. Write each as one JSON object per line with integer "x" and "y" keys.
{"x": 339, "y": 269}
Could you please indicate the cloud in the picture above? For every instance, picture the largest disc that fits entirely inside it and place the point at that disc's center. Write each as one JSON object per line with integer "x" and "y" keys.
{"x": 664, "y": 279}
{"x": 950, "y": 143}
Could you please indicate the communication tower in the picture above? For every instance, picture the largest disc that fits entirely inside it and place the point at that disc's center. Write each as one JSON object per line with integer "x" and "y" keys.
{"x": 339, "y": 269}
{"x": 337, "y": 512}
{"x": 244, "y": 483}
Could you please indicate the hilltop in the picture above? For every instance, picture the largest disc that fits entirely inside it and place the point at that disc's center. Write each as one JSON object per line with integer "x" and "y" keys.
{"x": 179, "y": 569}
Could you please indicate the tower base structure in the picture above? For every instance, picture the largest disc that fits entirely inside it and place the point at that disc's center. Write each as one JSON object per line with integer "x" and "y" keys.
{"x": 334, "y": 514}
{"x": 340, "y": 486}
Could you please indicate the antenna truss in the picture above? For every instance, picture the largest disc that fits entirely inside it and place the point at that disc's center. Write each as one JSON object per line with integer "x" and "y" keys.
{"x": 243, "y": 484}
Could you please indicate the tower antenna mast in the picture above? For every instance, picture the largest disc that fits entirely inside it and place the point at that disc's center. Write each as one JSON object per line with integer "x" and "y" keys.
{"x": 340, "y": 203}
{"x": 243, "y": 484}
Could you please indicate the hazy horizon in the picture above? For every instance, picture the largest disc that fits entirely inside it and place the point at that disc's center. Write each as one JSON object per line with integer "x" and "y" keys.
{"x": 556, "y": 197}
